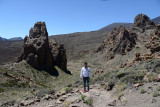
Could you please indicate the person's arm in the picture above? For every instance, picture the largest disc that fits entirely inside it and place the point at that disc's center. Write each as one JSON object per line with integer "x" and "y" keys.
{"x": 81, "y": 73}
{"x": 89, "y": 72}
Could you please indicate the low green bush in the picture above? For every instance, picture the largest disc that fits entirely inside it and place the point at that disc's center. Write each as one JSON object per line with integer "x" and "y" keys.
{"x": 152, "y": 77}
{"x": 1, "y": 90}
{"x": 89, "y": 101}
{"x": 120, "y": 94}
{"x": 143, "y": 91}
{"x": 156, "y": 93}
{"x": 83, "y": 97}
{"x": 68, "y": 89}
{"x": 120, "y": 87}
{"x": 15, "y": 83}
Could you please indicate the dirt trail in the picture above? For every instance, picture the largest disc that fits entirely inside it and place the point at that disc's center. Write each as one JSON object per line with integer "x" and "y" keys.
{"x": 100, "y": 97}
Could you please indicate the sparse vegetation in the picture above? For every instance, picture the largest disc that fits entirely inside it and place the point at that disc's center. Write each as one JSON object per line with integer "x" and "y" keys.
{"x": 68, "y": 89}
{"x": 1, "y": 90}
{"x": 67, "y": 103}
{"x": 120, "y": 87}
{"x": 120, "y": 94}
{"x": 156, "y": 92}
{"x": 83, "y": 97}
{"x": 143, "y": 91}
{"x": 121, "y": 74}
{"x": 158, "y": 70}
{"x": 89, "y": 101}
{"x": 152, "y": 77}
{"x": 15, "y": 83}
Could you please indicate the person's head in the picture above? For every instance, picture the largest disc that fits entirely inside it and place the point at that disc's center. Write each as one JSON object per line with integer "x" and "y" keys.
{"x": 85, "y": 64}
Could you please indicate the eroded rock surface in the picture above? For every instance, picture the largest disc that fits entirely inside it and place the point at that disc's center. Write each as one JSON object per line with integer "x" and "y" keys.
{"x": 142, "y": 20}
{"x": 39, "y": 52}
{"x": 154, "y": 41}
{"x": 120, "y": 41}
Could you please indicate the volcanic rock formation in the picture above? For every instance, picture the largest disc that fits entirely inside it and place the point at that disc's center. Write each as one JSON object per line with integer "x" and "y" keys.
{"x": 142, "y": 20}
{"x": 40, "y": 53}
{"x": 154, "y": 41}
{"x": 120, "y": 41}
{"x": 59, "y": 54}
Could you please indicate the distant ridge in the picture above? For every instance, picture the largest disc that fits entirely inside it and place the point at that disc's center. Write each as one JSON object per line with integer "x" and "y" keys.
{"x": 15, "y": 38}
{"x": 156, "y": 20}
{"x": 11, "y": 39}
{"x": 113, "y": 25}
{"x": 125, "y": 24}
{"x": 2, "y": 39}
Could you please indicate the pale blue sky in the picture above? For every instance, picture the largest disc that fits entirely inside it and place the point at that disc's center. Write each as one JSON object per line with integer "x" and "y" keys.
{"x": 68, "y": 16}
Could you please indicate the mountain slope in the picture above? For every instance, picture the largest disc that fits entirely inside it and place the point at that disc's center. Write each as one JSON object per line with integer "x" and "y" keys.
{"x": 156, "y": 20}
{"x": 15, "y": 38}
{"x": 80, "y": 44}
{"x": 76, "y": 44}
{"x": 11, "y": 39}
{"x": 2, "y": 39}
{"x": 113, "y": 25}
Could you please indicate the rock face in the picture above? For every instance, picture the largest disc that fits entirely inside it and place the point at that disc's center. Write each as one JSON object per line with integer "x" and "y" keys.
{"x": 154, "y": 41}
{"x": 39, "y": 53}
{"x": 59, "y": 54}
{"x": 142, "y": 20}
{"x": 120, "y": 41}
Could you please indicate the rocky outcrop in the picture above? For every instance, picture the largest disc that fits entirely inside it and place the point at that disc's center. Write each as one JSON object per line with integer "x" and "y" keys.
{"x": 59, "y": 54}
{"x": 142, "y": 20}
{"x": 154, "y": 41}
{"x": 120, "y": 41}
{"x": 39, "y": 52}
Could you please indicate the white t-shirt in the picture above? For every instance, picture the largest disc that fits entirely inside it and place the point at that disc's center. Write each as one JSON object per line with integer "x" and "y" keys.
{"x": 85, "y": 72}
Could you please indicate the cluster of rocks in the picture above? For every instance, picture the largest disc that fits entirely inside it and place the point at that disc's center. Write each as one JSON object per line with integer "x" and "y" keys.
{"x": 120, "y": 41}
{"x": 41, "y": 53}
{"x": 154, "y": 42}
{"x": 138, "y": 57}
{"x": 58, "y": 98}
{"x": 126, "y": 64}
{"x": 98, "y": 71}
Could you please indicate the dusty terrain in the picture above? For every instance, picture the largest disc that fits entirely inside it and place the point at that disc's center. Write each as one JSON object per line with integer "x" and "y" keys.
{"x": 130, "y": 78}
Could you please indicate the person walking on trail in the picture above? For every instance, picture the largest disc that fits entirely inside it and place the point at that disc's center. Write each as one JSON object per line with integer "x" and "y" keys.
{"x": 85, "y": 74}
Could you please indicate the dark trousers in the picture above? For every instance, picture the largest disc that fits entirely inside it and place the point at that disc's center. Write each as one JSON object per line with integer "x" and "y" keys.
{"x": 86, "y": 79}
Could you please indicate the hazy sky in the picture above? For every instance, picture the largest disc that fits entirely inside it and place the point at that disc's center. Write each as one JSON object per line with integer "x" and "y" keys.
{"x": 68, "y": 16}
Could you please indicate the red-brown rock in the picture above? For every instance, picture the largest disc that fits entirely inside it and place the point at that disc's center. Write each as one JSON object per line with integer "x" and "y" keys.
{"x": 154, "y": 41}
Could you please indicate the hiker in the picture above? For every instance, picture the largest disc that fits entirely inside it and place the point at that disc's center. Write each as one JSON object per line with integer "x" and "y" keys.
{"x": 85, "y": 73}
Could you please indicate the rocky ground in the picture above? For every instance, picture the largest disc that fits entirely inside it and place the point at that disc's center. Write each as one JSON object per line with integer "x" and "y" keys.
{"x": 98, "y": 97}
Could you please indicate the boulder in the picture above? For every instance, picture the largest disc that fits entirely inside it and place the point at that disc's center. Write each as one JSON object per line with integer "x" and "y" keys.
{"x": 137, "y": 84}
{"x": 59, "y": 102}
{"x": 112, "y": 103}
{"x": 41, "y": 53}
{"x": 158, "y": 78}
